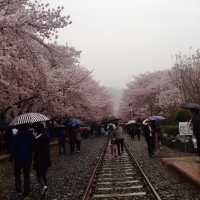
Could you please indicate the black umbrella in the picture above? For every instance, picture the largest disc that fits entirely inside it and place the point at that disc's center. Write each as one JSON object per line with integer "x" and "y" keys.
{"x": 191, "y": 106}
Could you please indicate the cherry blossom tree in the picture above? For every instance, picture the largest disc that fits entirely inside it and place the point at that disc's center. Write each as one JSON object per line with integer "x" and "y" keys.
{"x": 81, "y": 95}
{"x": 150, "y": 94}
{"x": 186, "y": 76}
{"x": 39, "y": 76}
{"x": 24, "y": 27}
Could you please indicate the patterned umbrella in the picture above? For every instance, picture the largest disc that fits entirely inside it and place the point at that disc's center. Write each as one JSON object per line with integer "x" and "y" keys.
{"x": 29, "y": 118}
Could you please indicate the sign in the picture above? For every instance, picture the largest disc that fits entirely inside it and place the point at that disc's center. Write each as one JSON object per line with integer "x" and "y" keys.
{"x": 185, "y": 128}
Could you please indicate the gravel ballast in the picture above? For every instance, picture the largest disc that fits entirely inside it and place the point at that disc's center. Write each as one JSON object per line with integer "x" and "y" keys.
{"x": 170, "y": 184}
{"x": 67, "y": 178}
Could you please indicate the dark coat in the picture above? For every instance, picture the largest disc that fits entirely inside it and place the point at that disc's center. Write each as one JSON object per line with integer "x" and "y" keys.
{"x": 41, "y": 152}
{"x": 196, "y": 124}
{"x": 72, "y": 135}
{"x": 22, "y": 146}
{"x": 61, "y": 134}
{"x": 147, "y": 132}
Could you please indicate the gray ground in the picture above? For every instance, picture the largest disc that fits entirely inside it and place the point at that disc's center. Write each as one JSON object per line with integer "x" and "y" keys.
{"x": 169, "y": 183}
{"x": 68, "y": 175}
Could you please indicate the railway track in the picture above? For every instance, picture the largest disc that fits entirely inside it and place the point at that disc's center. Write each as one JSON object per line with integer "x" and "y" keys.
{"x": 119, "y": 178}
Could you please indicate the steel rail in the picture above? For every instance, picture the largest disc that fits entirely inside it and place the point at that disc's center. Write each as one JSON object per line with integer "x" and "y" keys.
{"x": 90, "y": 188}
{"x": 149, "y": 184}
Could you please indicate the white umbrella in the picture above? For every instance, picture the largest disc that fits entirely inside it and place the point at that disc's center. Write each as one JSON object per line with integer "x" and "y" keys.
{"x": 131, "y": 122}
{"x": 29, "y": 118}
{"x": 113, "y": 125}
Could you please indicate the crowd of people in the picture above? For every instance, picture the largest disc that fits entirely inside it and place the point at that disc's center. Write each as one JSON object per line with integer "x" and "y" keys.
{"x": 29, "y": 147}
{"x": 149, "y": 129}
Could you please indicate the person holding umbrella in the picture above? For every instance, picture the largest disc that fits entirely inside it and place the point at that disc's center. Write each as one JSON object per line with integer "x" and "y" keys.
{"x": 195, "y": 121}
{"x": 78, "y": 138}
{"x": 41, "y": 159}
{"x": 74, "y": 134}
{"x": 196, "y": 129}
{"x": 150, "y": 136}
{"x": 21, "y": 150}
{"x": 119, "y": 139}
{"x": 72, "y": 139}
{"x": 61, "y": 135}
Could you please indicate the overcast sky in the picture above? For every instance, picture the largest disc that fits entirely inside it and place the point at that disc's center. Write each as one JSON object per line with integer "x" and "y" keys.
{"x": 124, "y": 38}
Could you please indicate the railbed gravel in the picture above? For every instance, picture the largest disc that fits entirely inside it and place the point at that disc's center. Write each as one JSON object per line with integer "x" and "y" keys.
{"x": 67, "y": 177}
{"x": 170, "y": 184}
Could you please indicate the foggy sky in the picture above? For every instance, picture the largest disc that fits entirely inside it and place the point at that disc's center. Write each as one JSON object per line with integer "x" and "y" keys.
{"x": 120, "y": 39}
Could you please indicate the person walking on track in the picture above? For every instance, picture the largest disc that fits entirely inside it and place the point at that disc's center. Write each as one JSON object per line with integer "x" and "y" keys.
{"x": 119, "y": 139}
{"x": 41, "y": 161}
{"x": 112, "y": 136}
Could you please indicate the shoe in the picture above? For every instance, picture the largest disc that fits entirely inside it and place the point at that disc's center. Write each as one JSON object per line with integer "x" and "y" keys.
{"x": 44, "y": 190}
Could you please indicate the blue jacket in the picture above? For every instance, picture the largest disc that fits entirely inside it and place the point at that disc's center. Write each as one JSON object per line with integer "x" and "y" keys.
{"x": 22, "y": 146}
{"x": 61, "y": 134}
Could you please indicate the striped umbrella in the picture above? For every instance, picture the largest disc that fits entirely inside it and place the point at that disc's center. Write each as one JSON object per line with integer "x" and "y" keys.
{"x": 29, "y": 118}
